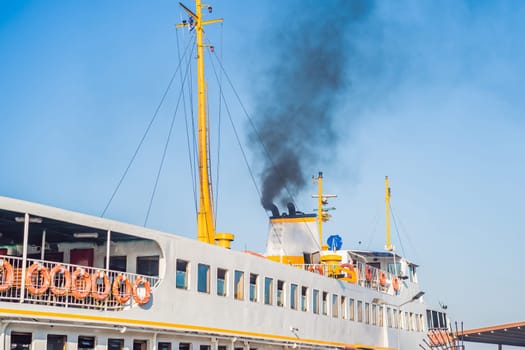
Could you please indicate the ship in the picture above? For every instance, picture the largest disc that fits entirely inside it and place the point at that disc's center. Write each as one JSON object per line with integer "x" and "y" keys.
{"x": 75, "y": 281}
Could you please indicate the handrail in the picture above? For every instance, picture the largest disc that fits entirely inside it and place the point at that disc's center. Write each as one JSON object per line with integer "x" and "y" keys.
{"x": 361, "y": 270}
{"x": 66, "y": 293}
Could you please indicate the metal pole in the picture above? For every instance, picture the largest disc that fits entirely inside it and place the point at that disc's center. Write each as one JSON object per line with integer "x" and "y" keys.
{"x": 24, "y": 257}
{"x": 43, "y": 248}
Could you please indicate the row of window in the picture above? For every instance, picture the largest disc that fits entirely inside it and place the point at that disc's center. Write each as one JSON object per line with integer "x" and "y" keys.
{"x": 300, "y": 297}
{"x": 23, "y": 341}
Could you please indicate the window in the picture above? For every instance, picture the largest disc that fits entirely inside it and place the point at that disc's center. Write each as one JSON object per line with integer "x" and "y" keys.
{"x": 184, "y": 346}
{"x": 359, "y": 311}
{"x": 435, "y": 319}
{"x": 367, "y": 313}
{"x": 389, "y": 320}
{"x": 351, "y": 309}
{"x": 148, "y": 265}
{"x": 315, "y": 301}
{"x": 406, "y": 322}
{"x": 268, "y": 291}
{"x": 374, "y": 314}
{"x": 140, "y": 344}
{"x": 203, "y": 278}
{"x": 204, "y": 347}
{"x": 117, "y": 263}
{"x": 164, "y": 346}
{"x": 304, "y": 301}
{"x": 293, "y": 296}
{"x": 56, "y": 342}
{"x": 85, "y": 343}
{"x": 344, "y": 313}
{"x": 222, "y": 347}
{"x": 239, "y": 285}
{"x": 221, "y": 282}
{"x": 280, "y": 293}
{"x": 182, "y": 274}
{"x": 324, "y": 303}
{"x": 381, "y": 316}
{"x": 429, "y": 319}
{"x": 115, "y": 344}
{"x": 335, "y": 305}
{"x": 21, "y": 341}
{"x": 399, "y": 319}
{"x": 394, "y": 269}
{"x": 254, "y": 286}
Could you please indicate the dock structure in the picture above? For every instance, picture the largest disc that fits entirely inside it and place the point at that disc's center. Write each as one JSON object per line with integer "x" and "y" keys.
{"x": 509, "y": 334}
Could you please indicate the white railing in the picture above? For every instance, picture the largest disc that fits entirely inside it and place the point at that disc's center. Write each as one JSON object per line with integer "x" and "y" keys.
{"x": 367, "y": 276}
{"x": 67, "y": 285}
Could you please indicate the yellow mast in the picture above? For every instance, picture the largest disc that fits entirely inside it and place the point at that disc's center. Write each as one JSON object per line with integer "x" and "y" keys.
{"x": 205, "y": 220}
{"x": 322, "y": 199}
{"x": 388, "y": 246}
{"x": 320, "y": 207}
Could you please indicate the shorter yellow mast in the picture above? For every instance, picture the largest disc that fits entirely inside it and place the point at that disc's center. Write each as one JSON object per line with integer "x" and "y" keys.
{"x": 387, "y": 214}
{"x": 322, "y": 199}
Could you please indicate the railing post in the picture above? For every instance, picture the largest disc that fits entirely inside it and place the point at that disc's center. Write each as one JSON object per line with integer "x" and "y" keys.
{"x": 24, "y": 257}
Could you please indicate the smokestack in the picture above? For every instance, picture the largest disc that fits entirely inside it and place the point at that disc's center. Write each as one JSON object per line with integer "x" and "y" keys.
{"x": 291, "y": 209}
{"x": 275, "y": 210}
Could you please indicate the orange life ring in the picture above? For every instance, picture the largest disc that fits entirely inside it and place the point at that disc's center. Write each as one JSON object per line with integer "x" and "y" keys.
{"x": 95, "y": 293}
{"x": 127, "y": 289}
{"x": 43, "y": 277}
{"x": 395, "y": 283}
{"x": 141, "y": 300}
{"x": 382, "y": 278}
{"x": 317, "y": 268}
{"x": 350, "y": 272}
{"x": 60, "y": 290}
{"x": 369, "y": 274}
{"x": 81, "y": 282}
{"x": 8, "y": 275}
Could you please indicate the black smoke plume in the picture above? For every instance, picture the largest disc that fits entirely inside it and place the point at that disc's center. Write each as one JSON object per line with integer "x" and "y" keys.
{"x": 299, "y": 96}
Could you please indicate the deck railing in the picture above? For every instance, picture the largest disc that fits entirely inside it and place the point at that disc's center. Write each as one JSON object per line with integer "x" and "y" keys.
{"x": 367, "y": 276}
{"x": 67, "y": 285}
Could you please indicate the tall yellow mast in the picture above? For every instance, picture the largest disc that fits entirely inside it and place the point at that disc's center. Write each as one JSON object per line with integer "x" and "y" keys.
{"x": 388, "y": 246}
{"x": 205, "y": 221}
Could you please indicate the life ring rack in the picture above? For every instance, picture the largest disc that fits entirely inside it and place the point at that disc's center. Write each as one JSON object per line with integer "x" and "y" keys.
{"x": 369, "y": 275}
{"x": 382, "y": 278}
{"x": 8, "y": 275}
{"x": 59, "y": 290}
{"x": 81, "y": 283}
{"x": 44, "y": 275}
{"x": 395, "y": 283}
{"x": 141, "y": 299}
{"x": 95, "y": 292}
{"x": 122, "y": 299}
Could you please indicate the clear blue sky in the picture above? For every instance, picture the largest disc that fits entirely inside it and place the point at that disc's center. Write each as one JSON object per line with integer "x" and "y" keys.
{"x": 435, "y": 101}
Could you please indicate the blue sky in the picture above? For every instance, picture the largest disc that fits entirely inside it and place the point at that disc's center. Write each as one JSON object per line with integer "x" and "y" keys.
{"x": 435, "y": 101}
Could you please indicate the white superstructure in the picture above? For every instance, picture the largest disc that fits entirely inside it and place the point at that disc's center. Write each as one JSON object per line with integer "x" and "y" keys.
{"x": 202, "y": 295}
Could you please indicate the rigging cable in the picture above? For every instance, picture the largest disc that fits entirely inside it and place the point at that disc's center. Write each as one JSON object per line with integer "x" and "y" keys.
{"x": 191, "y": 151}
{"x": 144, "y": 136}
{"x": 166, "y": 147}
{"x": 219, "y": 82}
{"x": 397, "y": 231}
